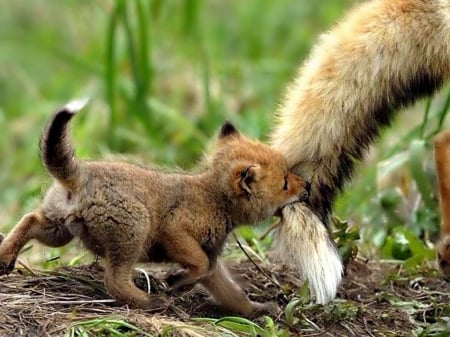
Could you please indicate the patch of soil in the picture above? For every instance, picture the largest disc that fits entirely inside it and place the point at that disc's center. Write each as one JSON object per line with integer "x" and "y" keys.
{"x": 375, "y": 299}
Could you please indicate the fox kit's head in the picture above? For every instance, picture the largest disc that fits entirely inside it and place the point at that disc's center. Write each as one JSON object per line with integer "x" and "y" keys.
{"x": 253, "y": 177}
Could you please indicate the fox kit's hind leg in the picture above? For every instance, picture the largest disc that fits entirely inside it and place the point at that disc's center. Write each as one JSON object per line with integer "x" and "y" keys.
{"x": 230, "y": 296}
{"x": 33, "y": 225}
{"x": 442, "y": 161}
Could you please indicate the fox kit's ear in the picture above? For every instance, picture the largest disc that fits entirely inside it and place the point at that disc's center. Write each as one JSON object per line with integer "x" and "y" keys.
{"x": 245, "y": 175}
{"x": 228, "y": 129}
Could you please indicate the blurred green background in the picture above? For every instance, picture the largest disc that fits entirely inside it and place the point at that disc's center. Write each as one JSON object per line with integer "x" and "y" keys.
{"x": 162, "y": 77}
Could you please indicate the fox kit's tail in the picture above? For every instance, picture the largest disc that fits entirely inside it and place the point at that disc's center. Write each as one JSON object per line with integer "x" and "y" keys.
{"x": 383, "y": 56}
{"x": 56, "y": 150}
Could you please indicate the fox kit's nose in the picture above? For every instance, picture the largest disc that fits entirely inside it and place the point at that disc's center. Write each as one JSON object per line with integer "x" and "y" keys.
{"x": 305, "y": 193}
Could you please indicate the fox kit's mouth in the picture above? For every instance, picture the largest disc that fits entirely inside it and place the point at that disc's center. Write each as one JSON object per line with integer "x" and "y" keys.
{"x": 303, "y": 197}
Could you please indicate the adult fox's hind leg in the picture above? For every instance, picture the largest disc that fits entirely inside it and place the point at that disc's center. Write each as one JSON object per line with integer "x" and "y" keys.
{"x": 33, "y": 225}
{"x": 442, "y": 162}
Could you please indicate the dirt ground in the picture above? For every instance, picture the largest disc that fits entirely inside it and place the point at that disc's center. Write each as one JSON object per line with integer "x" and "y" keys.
{"x": 375, "y": 299}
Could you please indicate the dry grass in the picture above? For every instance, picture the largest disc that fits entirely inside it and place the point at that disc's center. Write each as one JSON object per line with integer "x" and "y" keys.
{"x": 375, "y": 299}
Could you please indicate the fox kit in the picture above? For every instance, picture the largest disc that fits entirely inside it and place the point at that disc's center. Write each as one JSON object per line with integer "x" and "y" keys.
{"x": 127, "y": 214}
{"x": 383, "y": 56}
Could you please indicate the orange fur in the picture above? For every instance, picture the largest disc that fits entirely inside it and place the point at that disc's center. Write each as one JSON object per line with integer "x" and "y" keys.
{"x": 382, "y": 56}
{"x": 442, "y": 161}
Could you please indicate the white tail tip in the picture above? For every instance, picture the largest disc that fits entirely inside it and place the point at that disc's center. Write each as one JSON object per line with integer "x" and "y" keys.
{"x": 304, "y": 243}
{"x": 76, "y": 104}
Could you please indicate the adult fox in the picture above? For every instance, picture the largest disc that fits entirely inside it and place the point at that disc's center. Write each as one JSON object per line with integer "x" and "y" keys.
{"x": 381, "y": 57}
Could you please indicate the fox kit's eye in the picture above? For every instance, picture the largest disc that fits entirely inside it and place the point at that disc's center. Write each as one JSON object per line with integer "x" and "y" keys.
{"x": 285, "y": 186}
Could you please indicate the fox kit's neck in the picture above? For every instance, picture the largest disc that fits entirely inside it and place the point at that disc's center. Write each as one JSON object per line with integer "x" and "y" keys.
{"x": 219, "y": 196}
{"x": 240, "y": 212}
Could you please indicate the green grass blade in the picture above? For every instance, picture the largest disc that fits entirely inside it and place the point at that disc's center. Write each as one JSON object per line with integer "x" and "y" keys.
{"x": 145, "y": 46}
{"x": 110, "y": 325}
{"x": 416, "y": 157}
{"x": 133, "y": 56}
{"x": 178, "y": 119}
{"x": 425, "y": 118}
{"x": 140, "y": 79}
{"x": 443, "y": 112}
{"x": 110, "y": 67}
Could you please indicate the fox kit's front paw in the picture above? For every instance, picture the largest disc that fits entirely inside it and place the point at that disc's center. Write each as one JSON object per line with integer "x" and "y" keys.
{"x": 177, "y": 281}
{"x": 6, "y": 266}
{"x": 6, "y": 261}
{"x": 6, "y": 269}
{"x": 267, "y": 308}
{"x": 175, "y": 278}
{"x": 156, "y": 302}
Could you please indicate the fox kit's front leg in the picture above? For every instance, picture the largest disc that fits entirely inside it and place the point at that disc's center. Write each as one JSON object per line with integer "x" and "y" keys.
{"x": 33, "y": 225}
{"x": 230, "y": 296}
{"x": 119, "y": 284}
{"x": 185, "y": 250}
{"x": 442, "y": 161}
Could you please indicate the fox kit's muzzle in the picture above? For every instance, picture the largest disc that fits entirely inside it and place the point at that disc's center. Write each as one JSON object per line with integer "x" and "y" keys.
{"x": 304, "y": 196}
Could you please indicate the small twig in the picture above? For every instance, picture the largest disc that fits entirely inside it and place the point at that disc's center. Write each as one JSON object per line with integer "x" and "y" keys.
{"x": 147, "y": 278}
{"x": 71, "y": 277}
{"x": 26, "y": 267}
{"x": 179, "y": 312}
{"x": 367, "y": 328}
{"x": 255, "y": 264}
{"x": 347, "y": 328}
{"x": 80, "y": 302}
{"x": 359, "y": 284}
{"x": 314, "y": 325}
{"x": 424, "y": 316}
{"x": 322, "y": 332}
{"x": 271, "y": 227}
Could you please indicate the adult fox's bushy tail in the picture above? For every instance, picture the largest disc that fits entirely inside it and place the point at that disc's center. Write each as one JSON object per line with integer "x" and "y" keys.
{"x": 384, "y": 55}
{"x": 57, "y": 152}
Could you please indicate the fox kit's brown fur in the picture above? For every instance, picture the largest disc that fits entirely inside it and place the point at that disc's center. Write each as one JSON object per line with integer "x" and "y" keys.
{"x": 127, "y": 214}
{"x": 381, "y": 57}
{"x": 442, "y": 161}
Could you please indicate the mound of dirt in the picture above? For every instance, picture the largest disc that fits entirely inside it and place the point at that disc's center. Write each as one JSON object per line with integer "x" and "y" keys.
{"x": 375, "y": 299}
